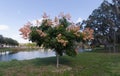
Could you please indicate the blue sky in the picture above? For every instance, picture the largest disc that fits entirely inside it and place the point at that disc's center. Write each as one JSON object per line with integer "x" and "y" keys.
{"x": 15, "y": 13}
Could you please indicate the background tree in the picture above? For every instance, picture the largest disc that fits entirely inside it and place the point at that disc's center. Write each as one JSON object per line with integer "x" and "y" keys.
{"x": 8, "y": 41}
{"x": 1, "y": 40}
{"x": 116, "y": 4}
{"x": 104, "y": 20}
{"x": 11, "y": 42}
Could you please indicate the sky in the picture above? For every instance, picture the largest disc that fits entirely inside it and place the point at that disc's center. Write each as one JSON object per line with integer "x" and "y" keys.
{"x": 15, "y": 13}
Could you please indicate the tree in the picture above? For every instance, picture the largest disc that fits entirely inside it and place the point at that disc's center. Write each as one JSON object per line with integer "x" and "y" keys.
{"x": 59, "y": 34}
{"x": 8, "y": 41}
{"x": 116, "y": 4}
{"x": 30, "y": 45}
{"x": 103, "y": 20}
{"x": 1, "y": 40}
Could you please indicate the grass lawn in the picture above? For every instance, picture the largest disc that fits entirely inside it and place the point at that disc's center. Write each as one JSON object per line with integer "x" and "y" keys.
{"x": 84, "y": 64}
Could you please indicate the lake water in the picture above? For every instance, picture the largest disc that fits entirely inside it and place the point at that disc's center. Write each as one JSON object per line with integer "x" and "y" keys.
{"x": 25, "y": 55}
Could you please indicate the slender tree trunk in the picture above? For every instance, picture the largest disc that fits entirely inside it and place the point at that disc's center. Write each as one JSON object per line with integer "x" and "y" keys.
{"x": 57, "y": 56}
{"x": 114, "y": 48}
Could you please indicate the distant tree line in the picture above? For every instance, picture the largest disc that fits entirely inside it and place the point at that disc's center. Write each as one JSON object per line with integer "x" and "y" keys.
{"x": 7, "y": 41}
{"x": 105, "y": 20}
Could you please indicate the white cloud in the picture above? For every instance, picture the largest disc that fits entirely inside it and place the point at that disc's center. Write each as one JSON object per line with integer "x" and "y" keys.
{"x": 79, "y": 20}
{"x": 4, "y": 27}
{"x": 34, "y": 22}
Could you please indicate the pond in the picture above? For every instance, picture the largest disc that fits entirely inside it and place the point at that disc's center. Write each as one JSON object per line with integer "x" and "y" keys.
{"x": 25, "y": 55}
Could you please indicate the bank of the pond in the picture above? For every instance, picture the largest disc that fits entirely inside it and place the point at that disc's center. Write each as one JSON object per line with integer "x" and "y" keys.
{"x": 84, "y": 64}
{"x": 15, "y": 49}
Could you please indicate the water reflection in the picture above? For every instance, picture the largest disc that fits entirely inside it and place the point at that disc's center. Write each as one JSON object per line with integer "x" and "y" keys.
{"x": 25, "y": 55}
{"x": 4, "y": 52}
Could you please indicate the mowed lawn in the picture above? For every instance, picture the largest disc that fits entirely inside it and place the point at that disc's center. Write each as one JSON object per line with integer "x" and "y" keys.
{"x": 84, "y": 64}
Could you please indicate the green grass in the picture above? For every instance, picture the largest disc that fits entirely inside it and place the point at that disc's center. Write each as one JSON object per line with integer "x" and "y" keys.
{"x": 106, "y": 50}
{"x": 84, "y": 64}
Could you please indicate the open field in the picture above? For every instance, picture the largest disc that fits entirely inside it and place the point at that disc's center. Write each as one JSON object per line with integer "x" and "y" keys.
{"x": 84, "y": 64}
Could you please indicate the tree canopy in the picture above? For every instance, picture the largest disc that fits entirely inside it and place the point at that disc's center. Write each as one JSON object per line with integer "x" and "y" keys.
{"x": 60, "y": 34}
{"x": 105, "y": 20}
{"x": 8, "y": 41}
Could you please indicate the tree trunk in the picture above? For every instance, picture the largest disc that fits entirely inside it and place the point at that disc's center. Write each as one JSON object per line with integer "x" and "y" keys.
{"x": 57, "y": 56}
